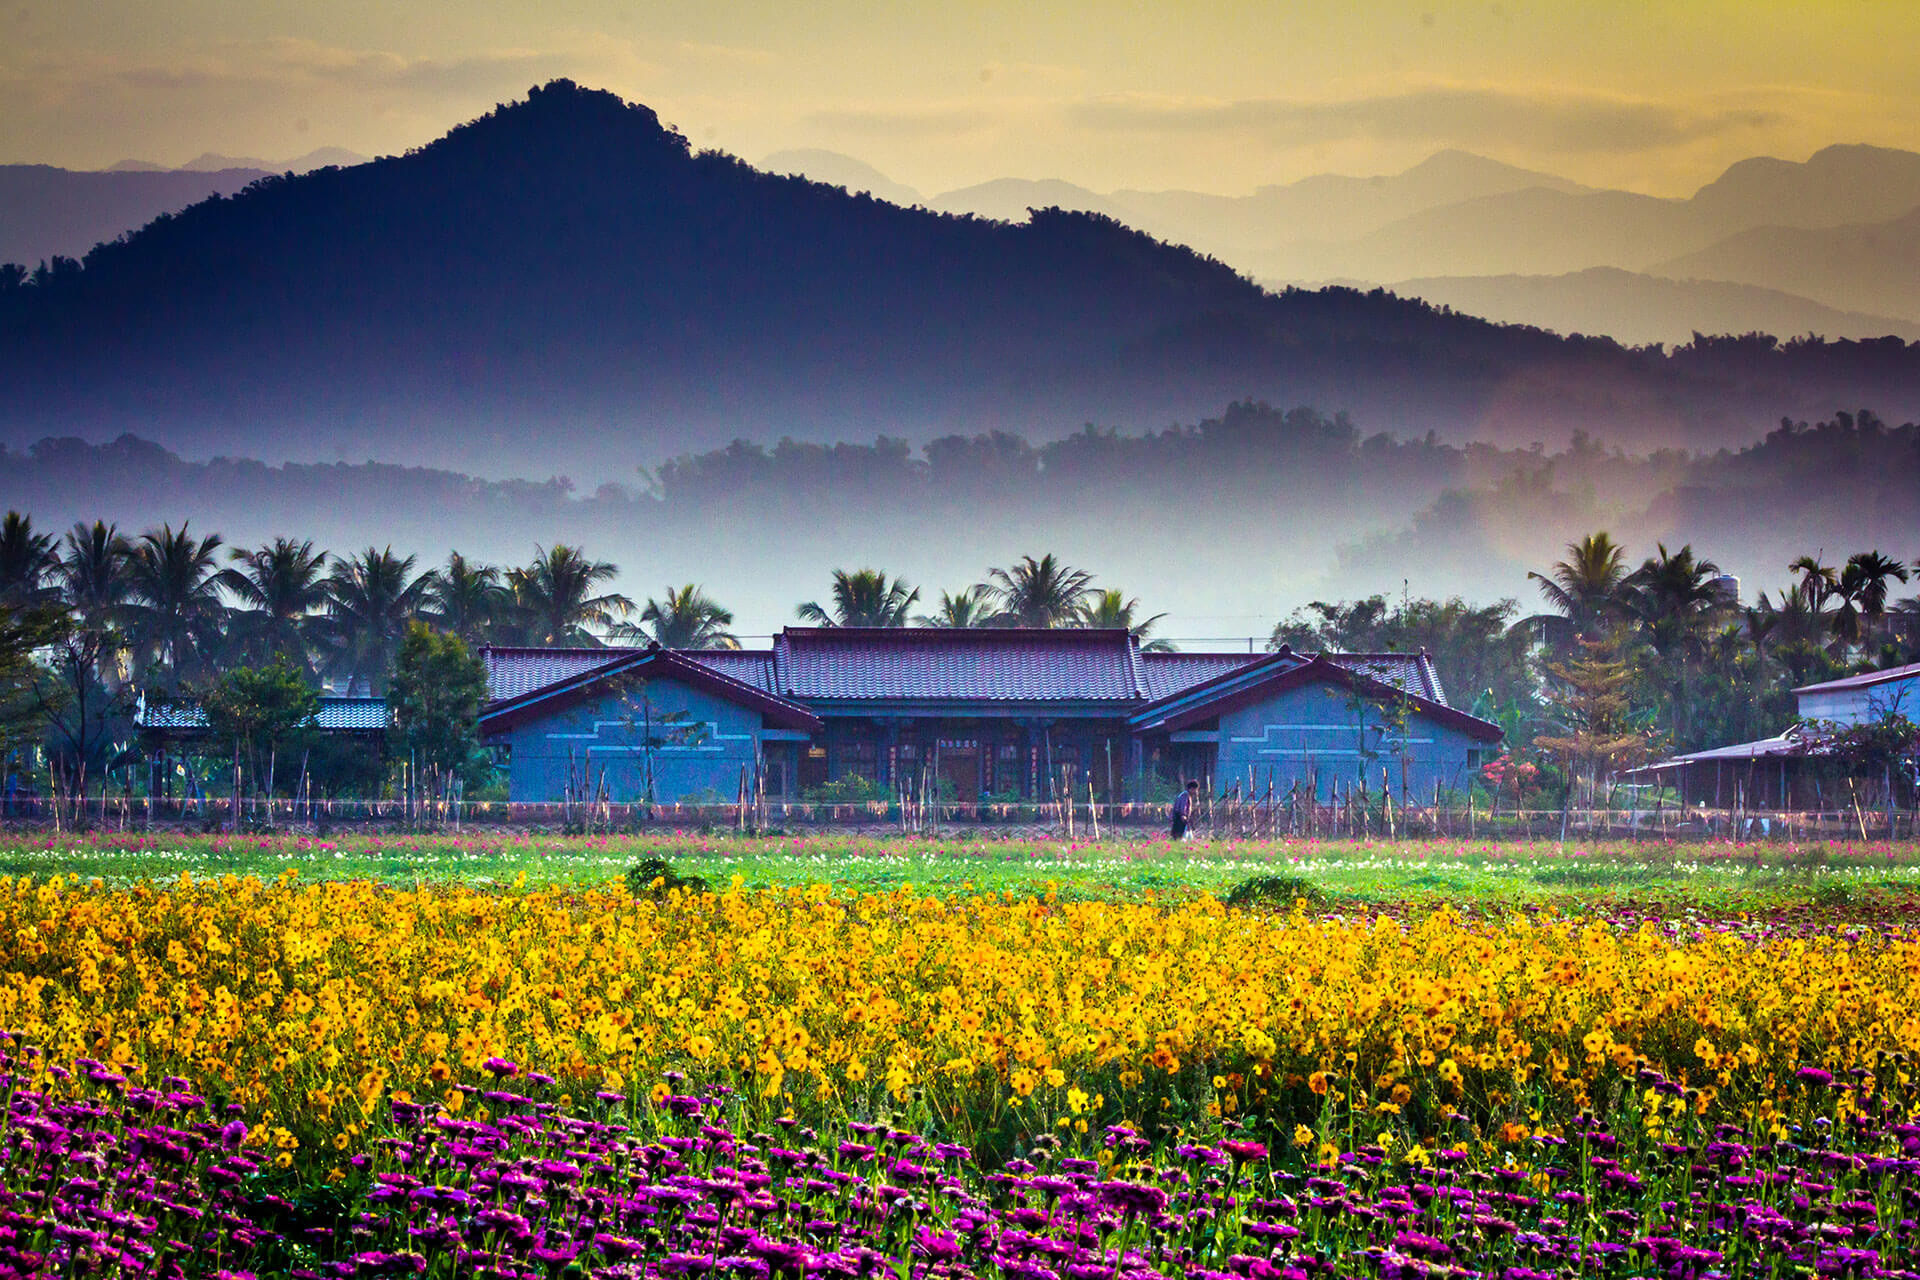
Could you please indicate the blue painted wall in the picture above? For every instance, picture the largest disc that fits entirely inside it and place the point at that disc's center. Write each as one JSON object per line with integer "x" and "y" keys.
{"x": 597, "y": 730}
{"x": 1318, "y": 726}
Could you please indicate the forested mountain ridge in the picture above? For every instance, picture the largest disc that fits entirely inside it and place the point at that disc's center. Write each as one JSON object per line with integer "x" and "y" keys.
{"x": 564, "y": 285}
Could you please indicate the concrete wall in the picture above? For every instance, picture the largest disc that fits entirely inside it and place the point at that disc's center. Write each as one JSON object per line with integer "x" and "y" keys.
{"x": 1859, "y": 706}
{"x": 1318, "y": 726}
{"x": 598, "y": 730}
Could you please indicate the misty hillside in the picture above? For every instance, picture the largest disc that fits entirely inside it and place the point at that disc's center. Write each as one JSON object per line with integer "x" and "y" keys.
{"x": 1637, "y": 308}
{"x": 1253, "y": 512}
{"x": 46, "y": 211}
{"x": 1248, "y": 231}
{"x": 1539, "y": 230}
{"x": 1543, "y": 250}
{"x": 1872, "y": 266}
{"x": 563, "y": 285}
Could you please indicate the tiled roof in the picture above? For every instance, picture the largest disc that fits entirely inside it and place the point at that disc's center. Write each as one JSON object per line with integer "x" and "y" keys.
{"x": 513, "y": 670}
{"x": 937, "y": 664}
{"x": 1865, "y": 680}
{"x": 339, "y": 715}
{"x": 748, "y": 666}
{"x": 945, "y": 664}
{"x": 1169, "y": 673}
{"x": 593, "y": 669}
{"x": 1409, "y": 672}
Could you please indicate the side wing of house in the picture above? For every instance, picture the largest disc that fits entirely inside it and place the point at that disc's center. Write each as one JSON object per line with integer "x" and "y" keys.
{"x": 1330, "y": 733}
{"x": 1863, "y": 698}
{"x": 649, "y": 727}
{"x": 1289, "y": 719}
{"x": 694, "y": 742}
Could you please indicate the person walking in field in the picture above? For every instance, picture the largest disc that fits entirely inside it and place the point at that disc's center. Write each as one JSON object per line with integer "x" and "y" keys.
{"x": 1183, "y": 810}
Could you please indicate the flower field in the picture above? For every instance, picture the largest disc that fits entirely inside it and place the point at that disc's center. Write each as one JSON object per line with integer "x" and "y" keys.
{"x": 342, "y": 1077}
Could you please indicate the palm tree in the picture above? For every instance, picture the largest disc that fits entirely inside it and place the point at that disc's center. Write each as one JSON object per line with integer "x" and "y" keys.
{"x": 1674, "y": 598}
{"x": 970, "y": 607}
{"x": 554, "y": 600}
{"x": 1862, "y": 589}
{"x": 468, "y": 599}
{"x": 93, "y": 583}
{"x": 1794, "y": 633}
{"x": 26, "y": 558}
{"x": 281, "y": 588}
{"x": 1817, "y": 582}
{"x": 93, "y": 574}
{"x": 1586, "y": 587}
{"x": 687, "y": 619}
{"x": 863, "y": 598}
{"x": 1111, "y": 608}
{"x": 371, "y": 598}
{"x": 1041, "y": 593}
{"x": 175, "y": 612}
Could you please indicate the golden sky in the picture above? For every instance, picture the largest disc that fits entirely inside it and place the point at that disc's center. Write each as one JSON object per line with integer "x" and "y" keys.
{"x": 1219, "y": 97}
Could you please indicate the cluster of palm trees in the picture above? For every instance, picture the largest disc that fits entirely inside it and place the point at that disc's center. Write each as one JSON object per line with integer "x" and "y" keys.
{"x": 1694, "y": 641}
{"x": 183, "y": 607}
{"x": 1034, "y": 591}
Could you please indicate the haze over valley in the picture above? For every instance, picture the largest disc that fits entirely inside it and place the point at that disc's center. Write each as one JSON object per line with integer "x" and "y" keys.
{"x": 549, "y": 324}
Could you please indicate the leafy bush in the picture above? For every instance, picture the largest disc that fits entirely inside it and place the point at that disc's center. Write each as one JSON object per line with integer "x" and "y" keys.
{"x": 1274, "y": 891}
{"x": 852, "y": 789}
{"x": 655, "y": 878}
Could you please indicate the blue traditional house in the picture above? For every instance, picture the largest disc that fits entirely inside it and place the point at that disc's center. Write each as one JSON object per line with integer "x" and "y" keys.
{"x": 993, "y": 712}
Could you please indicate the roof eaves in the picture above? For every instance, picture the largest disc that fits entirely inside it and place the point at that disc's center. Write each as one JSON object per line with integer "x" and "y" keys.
{"x": 1863, "y": 680}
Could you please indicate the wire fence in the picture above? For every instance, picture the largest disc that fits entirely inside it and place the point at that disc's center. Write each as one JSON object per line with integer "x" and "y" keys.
{"x": 1213, "y": 818}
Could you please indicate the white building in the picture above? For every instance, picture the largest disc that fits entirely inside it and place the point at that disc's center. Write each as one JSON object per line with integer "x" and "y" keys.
{"x": 1861, "y": 699}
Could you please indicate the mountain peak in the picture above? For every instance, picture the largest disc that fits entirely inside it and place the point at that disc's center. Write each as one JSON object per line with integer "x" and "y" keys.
{"x": 563, "y": 118}
{"x": 1835, "y": 186}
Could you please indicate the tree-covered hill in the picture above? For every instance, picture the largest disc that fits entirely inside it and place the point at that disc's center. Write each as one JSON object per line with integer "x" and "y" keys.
{"x": 564, "y": 284}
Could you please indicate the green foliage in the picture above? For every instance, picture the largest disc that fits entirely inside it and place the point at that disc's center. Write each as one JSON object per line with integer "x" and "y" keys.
{"x": 655, "y": 878}
{"x": 687, "y": 618}
{"x": 22, "y": 631}
{"x": 852, "y": 789}
{"x": 1274, "y": 891}
{"x": 439, "y": 686}
{"x": 1480, "y": 652}
{"x": 1595, "y": 728}
{"x": 1887, "y": 748}
{"x": 863, "y": 598}
{"x": 258, "y": 706}
{"x": 253, "y": 710}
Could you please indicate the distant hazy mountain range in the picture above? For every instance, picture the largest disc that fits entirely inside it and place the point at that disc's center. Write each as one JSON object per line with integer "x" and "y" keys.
{"x": 1829, "y": 246}
{"x": 211, "y": 161}
{"x": 47, "y": 211}
{"x": 565, "y": 286}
